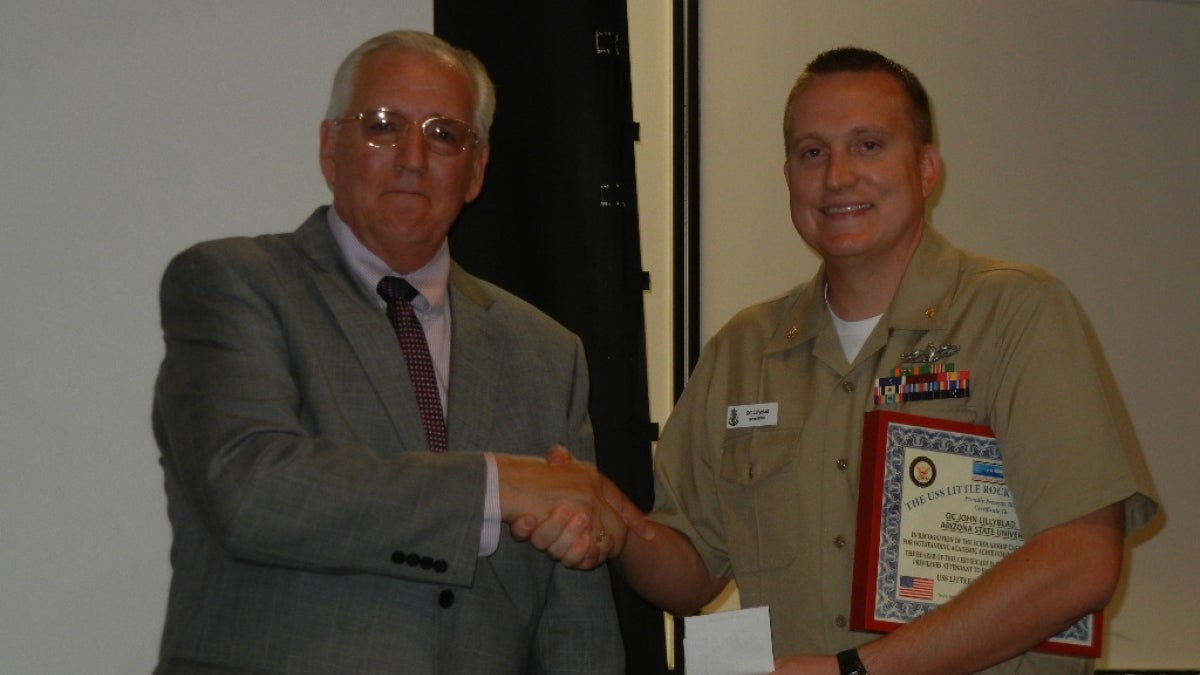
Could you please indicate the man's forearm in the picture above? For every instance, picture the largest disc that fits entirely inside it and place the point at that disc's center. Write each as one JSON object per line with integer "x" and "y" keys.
{"x": 668, "y": 571}
{"x": 1033, "y": 594}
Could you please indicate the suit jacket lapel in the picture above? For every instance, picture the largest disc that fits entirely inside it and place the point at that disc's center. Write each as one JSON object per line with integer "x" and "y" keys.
{"x": 366, "y": 329}
{"x": 474, "y": 366}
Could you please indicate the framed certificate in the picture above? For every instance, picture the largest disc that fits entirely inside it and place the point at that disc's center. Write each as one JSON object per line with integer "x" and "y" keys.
{"x": 934, "y": 513}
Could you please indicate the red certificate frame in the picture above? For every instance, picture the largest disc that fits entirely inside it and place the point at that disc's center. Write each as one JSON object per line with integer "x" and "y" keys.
{"x": 934, "y": 513}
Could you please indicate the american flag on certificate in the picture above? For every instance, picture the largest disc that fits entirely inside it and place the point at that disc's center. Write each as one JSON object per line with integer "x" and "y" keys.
{"x": 916, "y": 588}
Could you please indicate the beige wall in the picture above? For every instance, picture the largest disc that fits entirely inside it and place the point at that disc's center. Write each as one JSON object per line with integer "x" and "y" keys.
{"x": 650, "y": 52}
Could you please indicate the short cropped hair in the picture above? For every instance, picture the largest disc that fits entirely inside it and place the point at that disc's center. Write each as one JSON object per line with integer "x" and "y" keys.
{"x": 858, "y": 60}
{"x": 483, "y": 91}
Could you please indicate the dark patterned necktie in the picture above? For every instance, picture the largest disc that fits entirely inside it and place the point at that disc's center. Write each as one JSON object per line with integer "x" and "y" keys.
{"x": 399, "y": 295}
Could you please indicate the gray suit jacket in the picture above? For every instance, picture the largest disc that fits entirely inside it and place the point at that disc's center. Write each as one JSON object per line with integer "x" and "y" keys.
{"x": 313, "y": 531}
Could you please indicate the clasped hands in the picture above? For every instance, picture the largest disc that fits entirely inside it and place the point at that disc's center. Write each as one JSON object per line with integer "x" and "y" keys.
{"x": 567, "y": 508}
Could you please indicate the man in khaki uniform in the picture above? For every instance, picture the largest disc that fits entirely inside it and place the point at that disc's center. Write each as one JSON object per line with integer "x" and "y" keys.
{"x": 774, "y": 506}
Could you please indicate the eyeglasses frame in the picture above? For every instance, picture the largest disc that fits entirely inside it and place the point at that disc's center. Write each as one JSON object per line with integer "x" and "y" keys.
{"x": 359, "y": 117}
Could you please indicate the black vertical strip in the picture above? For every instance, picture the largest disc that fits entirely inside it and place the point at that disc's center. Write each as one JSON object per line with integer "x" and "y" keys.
{"x": 686, "y": 235}
{"x": 557, "y": 221}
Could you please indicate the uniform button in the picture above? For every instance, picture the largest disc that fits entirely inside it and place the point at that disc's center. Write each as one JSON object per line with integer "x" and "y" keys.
{"x": 398, "y": 557}
{"x": 426, "y": 563}
{"x": 839, "y": 541}
{"x": 842, "y": 464}
{"x": 412, "y": 560}
{"x": 446, "y": 599}
{"x": 440, "y": 566}
{"x": 840, "y": 621}
{"x": 848, "y": 387}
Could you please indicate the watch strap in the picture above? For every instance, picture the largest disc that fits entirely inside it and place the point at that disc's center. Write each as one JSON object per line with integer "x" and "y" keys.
{"x": 850, "y": 664}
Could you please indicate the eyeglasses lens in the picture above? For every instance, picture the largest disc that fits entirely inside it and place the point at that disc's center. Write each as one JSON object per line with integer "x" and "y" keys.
{"x": 443, "y": 135}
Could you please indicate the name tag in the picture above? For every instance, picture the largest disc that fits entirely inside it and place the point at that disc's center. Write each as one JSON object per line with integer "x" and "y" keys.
{"x": 753, "y": 415}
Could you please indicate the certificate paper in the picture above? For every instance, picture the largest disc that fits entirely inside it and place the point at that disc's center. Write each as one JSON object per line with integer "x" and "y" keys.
{"x": 934, "y": 514}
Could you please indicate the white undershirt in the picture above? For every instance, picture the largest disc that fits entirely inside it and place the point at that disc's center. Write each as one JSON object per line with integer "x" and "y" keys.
{"x": 853, "y": 333}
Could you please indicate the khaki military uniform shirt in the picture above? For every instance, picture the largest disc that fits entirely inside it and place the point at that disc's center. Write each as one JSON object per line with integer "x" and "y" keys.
{"x": 774, "y": 506}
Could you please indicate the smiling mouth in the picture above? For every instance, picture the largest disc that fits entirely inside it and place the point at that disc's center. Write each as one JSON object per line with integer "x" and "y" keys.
{"x": 847, "y": 209}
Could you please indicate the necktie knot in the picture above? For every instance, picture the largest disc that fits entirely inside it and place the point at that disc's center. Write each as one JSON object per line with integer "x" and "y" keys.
{"x": 395, "y": 288}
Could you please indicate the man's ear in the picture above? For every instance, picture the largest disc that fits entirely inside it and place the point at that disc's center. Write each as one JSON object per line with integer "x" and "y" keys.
{"x": 931, "y": 169}
{"x": 329, "y": 134}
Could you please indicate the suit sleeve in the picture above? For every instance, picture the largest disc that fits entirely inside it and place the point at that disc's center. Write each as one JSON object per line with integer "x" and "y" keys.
{"x": 259, "y": 455}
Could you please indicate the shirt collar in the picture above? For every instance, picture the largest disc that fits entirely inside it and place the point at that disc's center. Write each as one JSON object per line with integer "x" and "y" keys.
{"x": 431, "y": 280}
{"x": 926, "y": 290}
{"x": 928, "y": 286}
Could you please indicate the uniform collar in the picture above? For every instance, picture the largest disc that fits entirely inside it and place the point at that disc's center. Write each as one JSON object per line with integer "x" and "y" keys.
{"x": 928, "y": 285}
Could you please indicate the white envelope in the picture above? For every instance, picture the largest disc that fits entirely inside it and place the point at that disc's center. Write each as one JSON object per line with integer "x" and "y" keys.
{"x": 729, "y": 643}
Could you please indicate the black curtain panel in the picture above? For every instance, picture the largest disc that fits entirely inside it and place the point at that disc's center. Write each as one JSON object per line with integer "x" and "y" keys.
{"x": 557, "y": 221}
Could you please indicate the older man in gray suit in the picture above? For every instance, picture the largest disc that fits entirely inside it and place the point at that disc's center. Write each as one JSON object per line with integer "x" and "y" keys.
{"x": 340, "y": 505}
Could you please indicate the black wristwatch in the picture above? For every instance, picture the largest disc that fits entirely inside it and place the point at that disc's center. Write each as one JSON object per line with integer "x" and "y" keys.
{"x": 850, "y": 664}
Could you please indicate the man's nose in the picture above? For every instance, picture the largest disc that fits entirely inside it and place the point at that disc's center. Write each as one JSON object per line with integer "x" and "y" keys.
{"x": 411, "y": 151}
{"x": 840, "y": 171}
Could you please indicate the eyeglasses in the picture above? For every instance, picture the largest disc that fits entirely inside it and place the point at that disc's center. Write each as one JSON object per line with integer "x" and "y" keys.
{"x": 386, "y": 129}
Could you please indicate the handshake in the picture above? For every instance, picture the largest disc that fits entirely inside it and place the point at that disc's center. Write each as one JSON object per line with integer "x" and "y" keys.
{"x": 567, "y": 508}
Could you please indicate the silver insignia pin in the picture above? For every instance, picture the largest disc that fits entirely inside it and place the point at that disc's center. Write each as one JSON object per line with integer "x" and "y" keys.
{"x": 929, "y": 354}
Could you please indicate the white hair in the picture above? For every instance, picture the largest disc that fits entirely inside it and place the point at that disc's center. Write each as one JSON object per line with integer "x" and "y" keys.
{"x": 483, "y": 91}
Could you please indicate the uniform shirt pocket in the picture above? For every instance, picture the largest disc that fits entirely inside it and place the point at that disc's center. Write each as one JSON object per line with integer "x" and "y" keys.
{"x": 758, "y": 491}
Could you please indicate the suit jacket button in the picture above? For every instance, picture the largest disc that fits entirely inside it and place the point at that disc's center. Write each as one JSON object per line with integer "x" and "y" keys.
{"x": 398, "y": 557}
{"x": 446, "y": 598}
{"x": 440, "y": 566}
